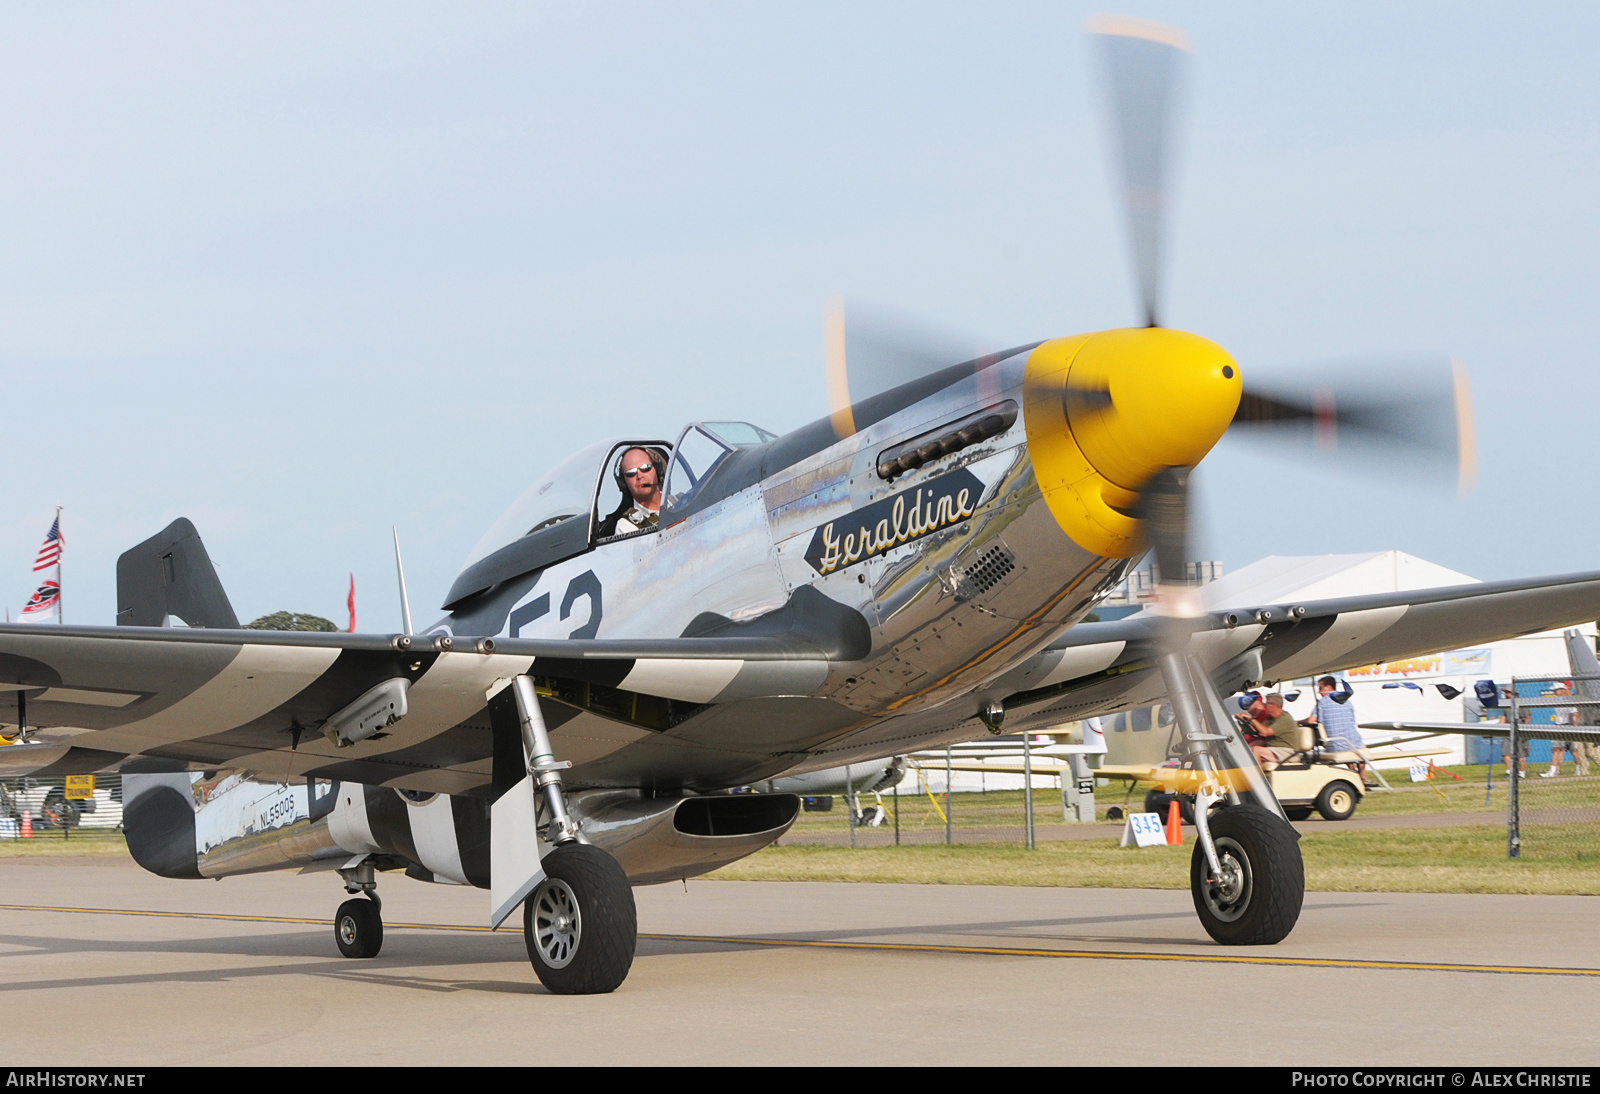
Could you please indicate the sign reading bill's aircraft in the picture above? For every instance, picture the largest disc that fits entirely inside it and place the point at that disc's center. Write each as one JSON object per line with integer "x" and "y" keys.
{"x": 898, "y": 519}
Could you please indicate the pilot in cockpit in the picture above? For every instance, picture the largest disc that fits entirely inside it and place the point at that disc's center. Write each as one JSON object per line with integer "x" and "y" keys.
{"x": 639, "y": 474}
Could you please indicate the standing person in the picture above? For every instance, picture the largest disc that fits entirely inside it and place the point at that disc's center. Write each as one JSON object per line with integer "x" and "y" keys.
{"x": 1334, "y": 714}
{"x": 1565, "y": 716}
{"x": 1522, "y": 751}
{"x": 1337, "y": 718}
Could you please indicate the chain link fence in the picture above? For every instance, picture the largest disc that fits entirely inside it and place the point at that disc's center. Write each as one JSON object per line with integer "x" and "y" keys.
{"x": 43, "y": 801}
{"x": 1555, "y": 808}
{"x": 968, "y": 794}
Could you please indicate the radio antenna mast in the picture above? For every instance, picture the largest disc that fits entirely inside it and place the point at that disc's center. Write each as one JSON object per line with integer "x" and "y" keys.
{"x": 400, "y": 569}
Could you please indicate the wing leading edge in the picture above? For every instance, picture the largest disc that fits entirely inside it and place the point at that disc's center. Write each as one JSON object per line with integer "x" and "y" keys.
{"x": 1105, "y": 666}
{"x": 259, "y": 700}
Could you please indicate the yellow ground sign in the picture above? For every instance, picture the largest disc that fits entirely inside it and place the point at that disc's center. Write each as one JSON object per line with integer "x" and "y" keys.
{"x": 80, "y": 787}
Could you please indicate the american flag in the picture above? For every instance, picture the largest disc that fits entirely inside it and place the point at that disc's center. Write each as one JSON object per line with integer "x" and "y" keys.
{"x": 50, "y": 552}
{"x": 44, "y": 604}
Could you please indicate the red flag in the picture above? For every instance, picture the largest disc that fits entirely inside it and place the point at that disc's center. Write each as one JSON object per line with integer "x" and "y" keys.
{"x": 352, "y": 603}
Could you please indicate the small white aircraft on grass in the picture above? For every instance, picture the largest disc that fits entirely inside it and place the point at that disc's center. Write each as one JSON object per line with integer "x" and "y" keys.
{"x": 889, "y": 578}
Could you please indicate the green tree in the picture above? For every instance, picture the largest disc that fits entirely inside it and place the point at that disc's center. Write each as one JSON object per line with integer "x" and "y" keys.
{"x": 291, "y": 621}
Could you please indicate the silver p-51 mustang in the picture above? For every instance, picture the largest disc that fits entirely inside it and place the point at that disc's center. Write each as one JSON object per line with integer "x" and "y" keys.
{"x": 898, "y": 575}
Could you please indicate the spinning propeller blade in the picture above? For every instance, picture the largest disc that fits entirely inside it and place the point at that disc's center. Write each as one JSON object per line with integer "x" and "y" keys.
{"x": 1420, "y": 411}
{"x": 1138, "y": 396}
{"x": 1422, "y": 414}
{"x": 1144, "y": 66}
{"x": 875, "y": 351}
{"x": 1164, "y": 508}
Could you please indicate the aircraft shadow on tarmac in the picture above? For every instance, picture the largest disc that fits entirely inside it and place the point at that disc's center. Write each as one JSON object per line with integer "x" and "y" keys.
{"x": 424, "y": 949}
{"x": 417, "y": 951}
{"x": 1016, "y": 930}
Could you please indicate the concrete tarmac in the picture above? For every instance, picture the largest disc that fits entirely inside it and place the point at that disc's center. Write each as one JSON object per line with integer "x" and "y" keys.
{"x": 772, "y": 972}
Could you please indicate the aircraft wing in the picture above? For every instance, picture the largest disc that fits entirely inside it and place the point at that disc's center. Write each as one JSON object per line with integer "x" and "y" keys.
{"x": 261, "y": 700}
{"x": 1108, "y": 666}
{"x": 1489, "y": 729}
{"x": 1051, "y": 769}
{"x": 1328, "y": 635}
{"x": 1132, "y": 772}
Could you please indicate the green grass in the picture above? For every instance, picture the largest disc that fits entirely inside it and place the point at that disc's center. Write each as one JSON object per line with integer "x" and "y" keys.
{"x": 1427, "y": 860}
{"x": 1418, "y": 860}
{"x": 1468, "y": 859}
{"x": 1004, "y": 808}
{"x": 48, "y": 842}
{"x": 1442, "y": 794}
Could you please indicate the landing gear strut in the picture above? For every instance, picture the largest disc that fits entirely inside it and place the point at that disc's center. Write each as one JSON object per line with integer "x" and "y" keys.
{"x": 358, "y": 925}
{"x": 1246, "y": 875}
{"x": 579, "y": 922}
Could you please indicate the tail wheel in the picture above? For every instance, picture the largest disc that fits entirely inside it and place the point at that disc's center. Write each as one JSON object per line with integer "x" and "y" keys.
{"x": 358, "y": 928}
{"x": 1337, "y": 801}
{"x": 580, "y": 924}
{"x": 1256, "y": 899}
{"x": 1156, "y": 801}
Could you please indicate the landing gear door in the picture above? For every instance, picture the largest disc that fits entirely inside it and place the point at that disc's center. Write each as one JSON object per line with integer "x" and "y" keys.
{"x": 515, "y": 850}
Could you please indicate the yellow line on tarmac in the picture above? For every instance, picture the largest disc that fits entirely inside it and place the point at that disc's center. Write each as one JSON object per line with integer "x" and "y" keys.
{"x": 1127, "y": 955}
{"x": 893, "y": 947}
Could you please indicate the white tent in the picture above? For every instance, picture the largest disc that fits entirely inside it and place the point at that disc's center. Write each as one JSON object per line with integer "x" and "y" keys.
{"x": 1394, "y": 690}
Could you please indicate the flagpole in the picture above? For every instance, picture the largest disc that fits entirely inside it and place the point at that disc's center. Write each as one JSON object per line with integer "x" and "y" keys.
{"x": 61, "y": 611}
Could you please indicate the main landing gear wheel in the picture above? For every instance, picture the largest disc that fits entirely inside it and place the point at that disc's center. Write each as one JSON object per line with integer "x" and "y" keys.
{"x": 358, "y": 928}
{"x": 1337, "y": 801}
{"x": 1257, "y": 899}
{"x": 580, "y": 923}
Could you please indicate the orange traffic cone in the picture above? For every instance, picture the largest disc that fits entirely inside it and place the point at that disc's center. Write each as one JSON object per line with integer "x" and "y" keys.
{"x": 27, "y": 824}
{"x": 1174, "y": 825}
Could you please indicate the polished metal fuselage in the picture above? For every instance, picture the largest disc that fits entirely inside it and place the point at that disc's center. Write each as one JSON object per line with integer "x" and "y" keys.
{"x": 957, "y": 598}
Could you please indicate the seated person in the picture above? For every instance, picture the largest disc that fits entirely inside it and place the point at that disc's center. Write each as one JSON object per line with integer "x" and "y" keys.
{"x": 639, "y": 473}
{"x": 1273, "y": 734}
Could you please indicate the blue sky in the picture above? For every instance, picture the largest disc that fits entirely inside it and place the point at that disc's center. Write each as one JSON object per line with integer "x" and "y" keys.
{"x": 301, "y": 272}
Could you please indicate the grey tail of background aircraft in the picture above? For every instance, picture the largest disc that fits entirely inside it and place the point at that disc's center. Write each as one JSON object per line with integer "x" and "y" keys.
{"x": 170, "y": 577}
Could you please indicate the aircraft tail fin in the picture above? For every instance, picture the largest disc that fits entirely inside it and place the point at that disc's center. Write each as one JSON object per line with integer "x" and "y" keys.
{"x": 1583, "y": 662}
{"x": 168, "y": 578}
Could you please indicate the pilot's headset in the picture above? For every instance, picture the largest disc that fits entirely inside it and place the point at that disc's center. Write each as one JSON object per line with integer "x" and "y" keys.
{"x": 657, "y": 457}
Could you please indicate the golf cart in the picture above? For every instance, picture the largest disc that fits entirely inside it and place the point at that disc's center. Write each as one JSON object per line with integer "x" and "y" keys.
{"x": 1314, "y": 778}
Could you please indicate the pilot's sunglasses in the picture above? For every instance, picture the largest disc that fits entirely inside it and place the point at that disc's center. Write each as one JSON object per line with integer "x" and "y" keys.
{"x": 641, "y": 469}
